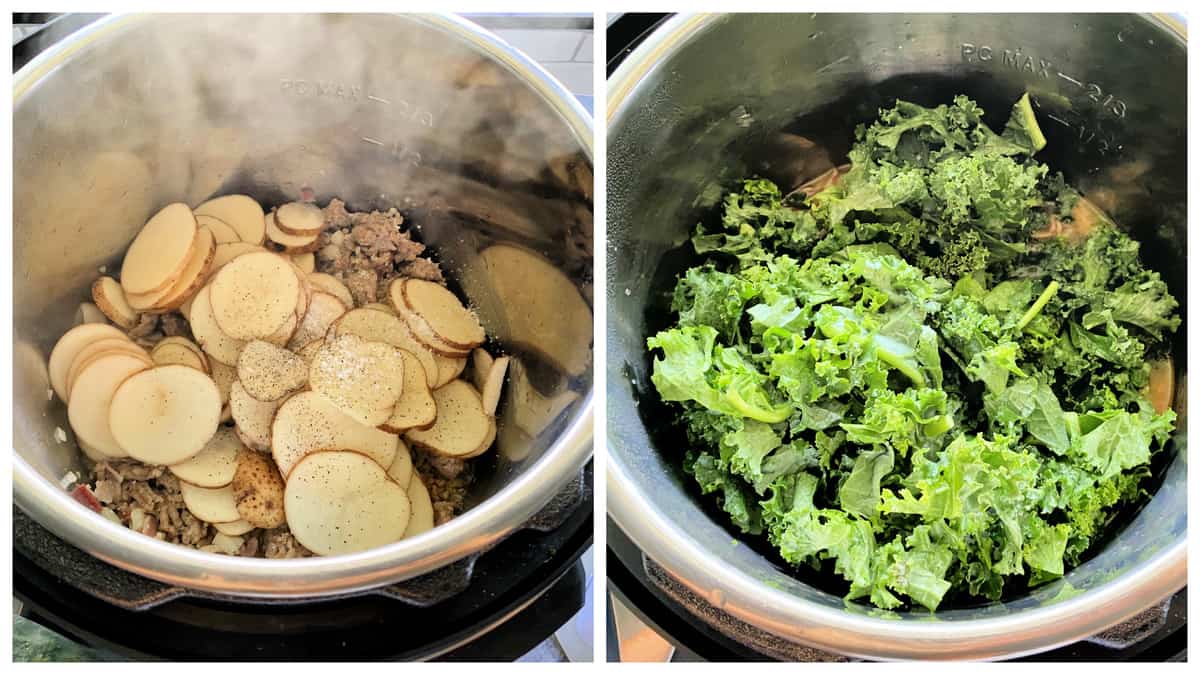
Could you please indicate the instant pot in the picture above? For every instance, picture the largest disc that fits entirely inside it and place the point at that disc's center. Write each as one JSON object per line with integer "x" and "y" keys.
{"x": 698, "y": 102}
{"x": 476, "y": 144}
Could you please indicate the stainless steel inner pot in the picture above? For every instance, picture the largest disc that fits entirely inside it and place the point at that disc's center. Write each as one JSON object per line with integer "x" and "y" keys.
{"x": 472, "y": 140}
{"x": 708, "y": 100}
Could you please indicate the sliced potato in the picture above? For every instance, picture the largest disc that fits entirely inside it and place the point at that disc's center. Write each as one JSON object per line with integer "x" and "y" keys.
{"x": 110, "y": 298}
{"x": 160, "y": 251}
{"x": 224, "y": 376}
{"x": 235, "y": 529}
{"x": 415, "y": 409}
{"x": 530, "y": 410}
{"x": 331, "y": 285}
{"x": 487, "y": 442}
{"x": 401, "y": 468}
{"x": 363, "y": 379}
{"x": 342, "y": 502}
{"x": 212, "y": 505}
{"x": 308, "y": 351}
{"x": 69, "y": 346}
{"x": 227, "y": 252}
{"x": 481, "y": 364}
{"x": 179, "y": 340}
{"x": 166, "y": 414}
{"x": 89, "y": 313}
{"x": 97, "y": 348}
{"x": 417, "y": 326}
{"x": 380, "y": 307}
{"x": 252, "y": 417}
{"x": 88, "y": 411}
{"x": 421, "y": 519}
{"x": 461, "y": 424}
{"x": 268, "y": 373}
{"x": 194, "y": 274}
{"x": 452, "y": 322}
{"x": 384, "y": 327}
{"x": 145, "y": 302}
{"x": 258, "y": 490}
{"x": 308, "y": 422}
{"x": 214, "y": 465}
{"x": 254, "y": 295}
{"x": 303, "y": 219}
{"x": 490, "y": 394}
{"x": 284, "y": 333}
{"x": 323, "y": 310}
{"x": 307, "y": 262}
{"x": 240, "y": 212}
{"x": 222, "y": 232}
{"x": 448, "y": 369}
{"x": 290, "y": 242}
{"x": 212, "y": 339}
{"x": 165, "y": 355}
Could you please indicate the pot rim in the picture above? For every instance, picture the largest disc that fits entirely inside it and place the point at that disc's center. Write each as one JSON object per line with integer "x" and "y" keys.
{"x": 473, "y": 532}
{"x": 793, "y": 618}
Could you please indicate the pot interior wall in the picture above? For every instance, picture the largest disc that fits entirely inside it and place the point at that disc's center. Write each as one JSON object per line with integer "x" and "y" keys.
{"x": 380, "y": 111}
{"x": 729, "y": 102}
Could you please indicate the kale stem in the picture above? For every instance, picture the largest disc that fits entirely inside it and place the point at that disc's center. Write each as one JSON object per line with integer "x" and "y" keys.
{"x": 1038, "y": 305}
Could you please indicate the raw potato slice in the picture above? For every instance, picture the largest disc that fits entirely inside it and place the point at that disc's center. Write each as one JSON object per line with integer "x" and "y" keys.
{"x": 224, "y": 376}
{"x": 98, "y": 348}
{"x": 481, "y": 364}
{"x": 181, "y": 341}
{"x": 166, "y": 414}
{"x": 252, "y": 417}
{"x": 222, "y": 232}
{"x": 487, "y": 441}
{"x": 448, "y": 369}
{"x": 89, "y": 313}
{"x": 342, "y": 502}
{"x": 69, "y": 346}
{"x": 88, "y": 411}
{"x": 212, "y": 339}
{"x": 160, "y": 251}
{"x": 363, "y": 379}
{"x": 144, "y": 302}
{"x": 415, "y": 409}
{"x": 461, "y": 424}
{"x": 307, "y": 422}
{"x": 110, "y": 298}
{"x": 253, "y": 295}
{"x": 308, "y": 351}
{"x": 213, "y": 466}
{"x": 268, "y": 373}
{"x": 166, "y": 355}
{"x": 401, "y": 469}
{"x": 258, "y": 490}
{"x": 284, "y": 333}
{"x": 492, "y": 385}
{"x": 290, "y": 242}
{"x": 421, "y": 519}
{"x": 227, "y": 252}
{"x": 194, "y": 275}
{"x": 379, "y": 306}
{"x": 240, "y": 212}
{"x": 419, "y": 328}
{"x": 302, "y": 219}
{"x": 323, "y": 310}
{"x": 453, "y": 323}
{"x": 235, "y": 529}
{"x": 530, "y": 410}
{"x": 331, "y": 285}
{"x": 307, "y": 262}
{"x": 212, "y": 505}
{"x": 384, "y": 327}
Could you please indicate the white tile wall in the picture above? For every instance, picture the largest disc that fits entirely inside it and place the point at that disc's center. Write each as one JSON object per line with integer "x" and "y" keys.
{"x": 566, "y": 53}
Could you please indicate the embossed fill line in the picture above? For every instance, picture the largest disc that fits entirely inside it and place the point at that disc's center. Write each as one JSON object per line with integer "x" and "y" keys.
{"x": 379, "y": 100}
{"x": 1070, "y": 79}
{"x": 372, "y": 141}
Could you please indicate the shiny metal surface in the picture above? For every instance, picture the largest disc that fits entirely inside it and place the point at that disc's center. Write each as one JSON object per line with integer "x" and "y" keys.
{"x": 707, "y": 100}
{"x": 472, "y": 140}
